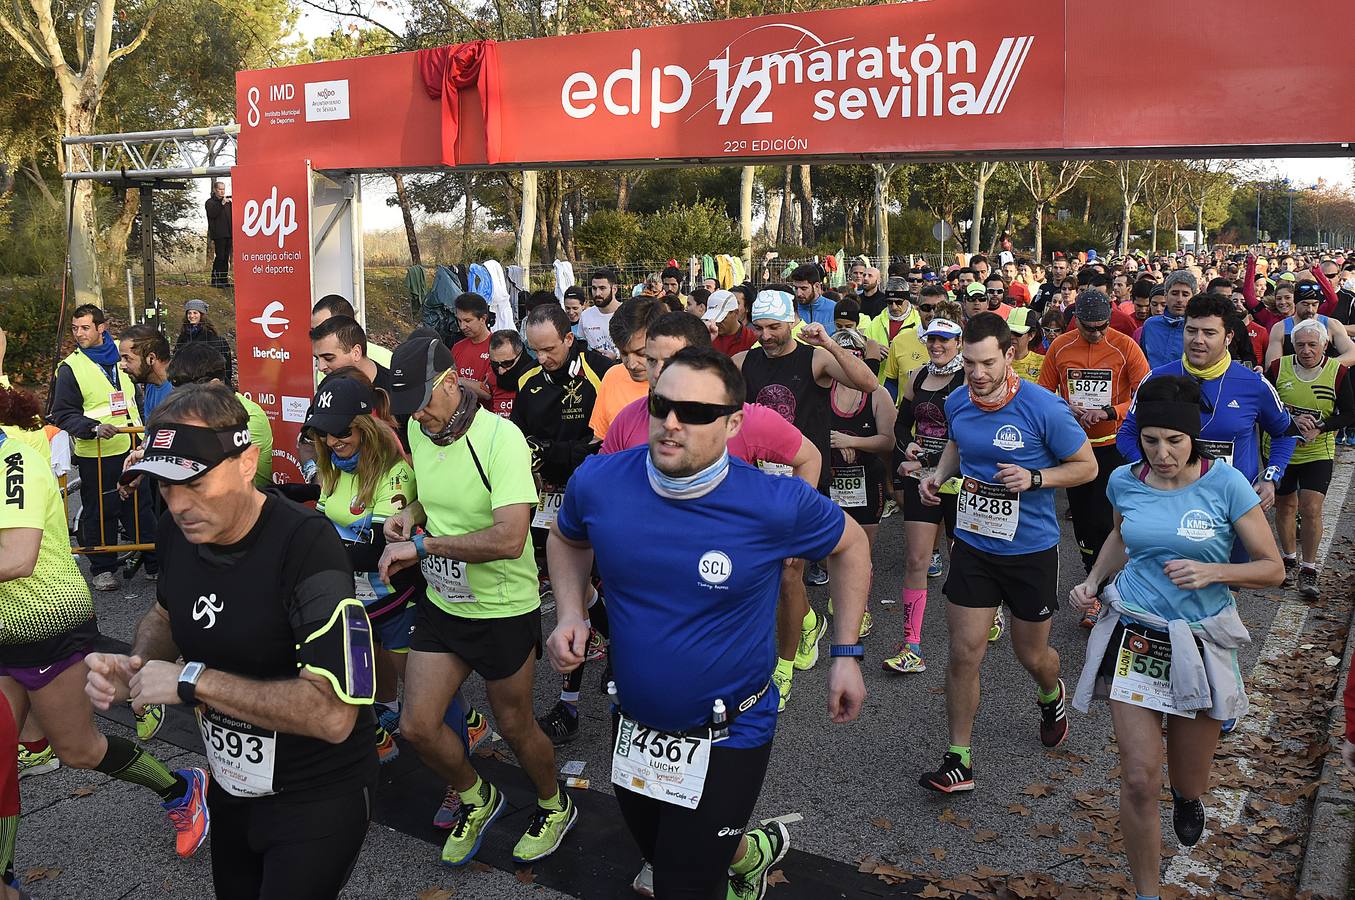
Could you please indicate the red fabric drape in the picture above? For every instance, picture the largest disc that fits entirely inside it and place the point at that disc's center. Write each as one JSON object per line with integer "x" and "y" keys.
{"x": 446, "y": 70}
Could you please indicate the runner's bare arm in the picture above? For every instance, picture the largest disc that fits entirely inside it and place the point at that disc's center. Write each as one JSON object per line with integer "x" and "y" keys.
{"x": 569, "y": 562}
{"x": 837, "y": 363}
{"x": 154, "y": 640}
{"x": 1079, "y": 468}
{"x": 849, "y": 570}
{"x": 305, "y": 705}
{"x": 808, "y": 462}
{"x": 1109, "y": 561}
{"x": 502, "y": 540}
{"x": 19, "y": 552}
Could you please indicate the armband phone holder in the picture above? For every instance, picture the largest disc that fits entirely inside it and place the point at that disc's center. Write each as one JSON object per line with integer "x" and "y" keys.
{"x": 341, "y": 652}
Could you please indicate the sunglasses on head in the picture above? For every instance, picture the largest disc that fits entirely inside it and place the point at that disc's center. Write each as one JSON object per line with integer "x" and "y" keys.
{"x": 689, "y": 412}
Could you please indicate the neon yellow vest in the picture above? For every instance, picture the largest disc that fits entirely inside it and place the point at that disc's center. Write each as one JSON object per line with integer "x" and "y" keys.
{"x": 96, "y": 396}
{"x": 1317, "y": 397}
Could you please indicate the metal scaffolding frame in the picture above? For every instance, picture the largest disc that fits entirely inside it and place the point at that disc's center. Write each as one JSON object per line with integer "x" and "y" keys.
{"x": 147, "y": 161}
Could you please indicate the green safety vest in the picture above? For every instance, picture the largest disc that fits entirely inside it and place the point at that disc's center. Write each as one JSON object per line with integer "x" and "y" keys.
{"x": 1317, "y": 397}
{"x": 98, "y": 397}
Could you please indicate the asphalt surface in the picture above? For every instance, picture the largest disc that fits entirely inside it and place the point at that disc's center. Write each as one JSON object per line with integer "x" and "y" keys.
{"x": 850, "y": 791}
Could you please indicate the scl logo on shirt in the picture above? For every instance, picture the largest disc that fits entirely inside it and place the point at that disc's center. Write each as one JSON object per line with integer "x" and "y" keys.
{"x": 1197, "y": 525}
{"x": 715, "y": 567}
{"x": 1008, "y": 437}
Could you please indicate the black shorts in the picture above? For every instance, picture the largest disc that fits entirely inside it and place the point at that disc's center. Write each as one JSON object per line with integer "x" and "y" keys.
{"x": 1314, "y": 475}
{"x": 914, "y": 510}
{"x": 493, "y": 648}
{"x": 1027, "y": 583}
{"x": 875, "y": 496}
{"x": 54, "y": 649}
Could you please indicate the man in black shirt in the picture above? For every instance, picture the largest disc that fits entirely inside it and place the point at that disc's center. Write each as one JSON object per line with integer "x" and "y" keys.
{"x": 256, "y": 593}
{"x": 340, "y": 341}
{"x": 218, "y": 209}
{"x": 872, "y": 298}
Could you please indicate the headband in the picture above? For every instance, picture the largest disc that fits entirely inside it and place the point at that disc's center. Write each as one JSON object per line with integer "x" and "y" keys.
{"x": 1175, "y": 415}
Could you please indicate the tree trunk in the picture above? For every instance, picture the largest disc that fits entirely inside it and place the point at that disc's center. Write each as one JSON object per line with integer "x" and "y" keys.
{"x": 1124, "y": 226}
{"x": 806, "y": 192}
{"x": 882, "y": 171}
{"x": 117, "y": 233}
{"x": 1199, "y": 226}
{"x": 771, "y": 223}
{"x": 527, "y": 221}
{"x": 412, "y": 236}
{"x": 1087, "y": 210}
{"x": 555, "y": 202}
{"x": 79, "y": 106}
{"x": 976, "y": 229}
{"x": 747, "y": 175}
{"x": 1176, "y": 230}
{"x": 622, "y": 191}
{"x": 1152, "y": 249}
{"x": 1039, "y": 230}
{"x": 468, "y": 215}
{"x": 785, "y": 234}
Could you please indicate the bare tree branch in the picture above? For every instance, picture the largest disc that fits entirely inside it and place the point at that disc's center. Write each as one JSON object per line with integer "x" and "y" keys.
{"x": 22, "y": 34}
{"x": 136, "y": 41}
{"x": 355, "y": 13}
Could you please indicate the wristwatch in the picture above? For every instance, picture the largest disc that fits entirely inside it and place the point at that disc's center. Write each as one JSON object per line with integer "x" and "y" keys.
{"x": 1272, "y": 474}
{"x": 188, "y": 682}
{"x": 1110, "y": 412}
{"x": 858, "y": 650}
{"x": 418, "y": 539}
{"x": 1036, "y": 479}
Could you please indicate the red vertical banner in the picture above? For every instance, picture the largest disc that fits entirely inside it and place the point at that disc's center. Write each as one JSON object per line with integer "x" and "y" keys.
{"x": 273, "y": 299}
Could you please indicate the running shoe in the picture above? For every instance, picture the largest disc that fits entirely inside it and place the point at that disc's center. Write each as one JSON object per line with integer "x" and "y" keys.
{"x": 445, "y": 817}
{"x": 772, "y": 841}
{"x": 561, "y": 724}
{"x": 388, "y": 717}
{"x": 106, "y": 581}
{"x": 1308, "y": 583}
{"x": 1054, "y": 719}
{"x": 644, "y": 881}
{"x": 386, "y": 748}
{"x": 889, "y": 509}
{"x": 816, "y": 575}
{"x": 1090, "y": 616}
{"x": 597, "y": 646}
{"x": 189, "y": 814}
{"x": 149, "y": 722}
{"x": 543, "y": 588}
{"x": 807, "y": 654}
{"x": 953, "y": 776}
{"x": 1291, "y": 568}
{"x": 937, "y": 566}
{"x": 477, "y": 729}
{"x": 1228, "y": 726}
{"x": 908, "y": 660}
{"x": 545, "y": 831}
{"x": 998, "y": 626}
{"x": 782, "y": 683}
{"x": 39, "y": 763}
{"x": 468, "y": 829}
{"x": 1187, "y": 819}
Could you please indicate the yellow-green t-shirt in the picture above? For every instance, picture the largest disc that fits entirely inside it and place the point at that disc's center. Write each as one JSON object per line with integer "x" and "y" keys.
{"x": 55, "y": 598}
{"x": 456, "y": 501}
{"x": 906, "y": 352}
{"x": 1028, "y": 366}
{"x": 356, "y": 523}
{"x": 261, "y": 436}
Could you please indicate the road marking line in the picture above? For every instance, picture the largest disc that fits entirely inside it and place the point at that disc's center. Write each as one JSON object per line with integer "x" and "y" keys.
{"x": 1285, "y": 633}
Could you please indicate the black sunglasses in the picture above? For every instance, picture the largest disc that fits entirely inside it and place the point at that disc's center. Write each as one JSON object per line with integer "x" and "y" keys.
{"x": 506, "y": 364}
{"x": 1087, "y": 326}
{"x": 897, "y": 301}
{"x": 927, "y": 307}
{"x": 915, "y": 280}
{"x": 998, "y": 291}
{"x": 690, "y": 412}
{"x": 319, "y": 435}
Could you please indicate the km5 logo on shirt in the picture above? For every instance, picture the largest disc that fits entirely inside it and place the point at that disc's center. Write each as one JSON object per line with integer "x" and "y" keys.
{"x": 1008, "y": 437}
{"x": 207, "y": 608}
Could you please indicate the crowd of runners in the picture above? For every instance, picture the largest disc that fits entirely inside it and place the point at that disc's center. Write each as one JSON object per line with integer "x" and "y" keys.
{"x": 670, "y": 466}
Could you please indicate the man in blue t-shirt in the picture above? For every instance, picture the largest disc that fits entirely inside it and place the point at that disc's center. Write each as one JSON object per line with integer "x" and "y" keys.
{"x": 1161, "y": 335}
{"x": 1010, "y": 443}
{"x": 693, "y": 622}
{"x": 1235, "y": 399}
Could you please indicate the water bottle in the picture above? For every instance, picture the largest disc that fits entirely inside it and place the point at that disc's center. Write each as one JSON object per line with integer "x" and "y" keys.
{"x": 720, "y": 722}
{"x": 611, "y": 695}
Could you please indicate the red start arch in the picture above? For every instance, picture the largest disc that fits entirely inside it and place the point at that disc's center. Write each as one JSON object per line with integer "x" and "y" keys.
{"x": 923, "y": 80}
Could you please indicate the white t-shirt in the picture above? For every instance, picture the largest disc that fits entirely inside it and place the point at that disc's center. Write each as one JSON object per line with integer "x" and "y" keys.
{"x": 596, "y": 326}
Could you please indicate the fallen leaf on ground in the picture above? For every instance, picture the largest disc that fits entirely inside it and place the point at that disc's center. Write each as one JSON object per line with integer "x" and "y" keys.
{"x": 775, "y": 877}
{"x": 1037, "y": 790}
{"x": 83, "y": 790}
{"x": 1044, "y": 831}
{"x": 882, "y": 823}
{"x": 40, "y": 873}
{"x": 1019, "y": 809}
{"x": 938, "y": 853}
{"x": 525, "y": 876}
{"x": 434, "y": 894}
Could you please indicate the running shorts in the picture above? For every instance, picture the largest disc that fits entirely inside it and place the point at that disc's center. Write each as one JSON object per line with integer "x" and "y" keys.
{"x": 914, "y": 510}
{"x": 1314, "y": 475}
{"x": 494, "y": 648}
{"x": 1026, "y": 582}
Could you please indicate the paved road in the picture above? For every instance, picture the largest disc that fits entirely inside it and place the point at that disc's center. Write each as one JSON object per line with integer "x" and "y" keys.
{"x": 853, "y": 788}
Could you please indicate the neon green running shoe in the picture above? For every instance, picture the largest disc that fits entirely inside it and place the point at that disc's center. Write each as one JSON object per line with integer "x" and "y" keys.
{"x": 907, "y": 661}
{"x": 39, "y": 763}
{"x": 772, "y": 841}
{"x": 149, "y": 722}
{"x": 472, "y": 819}
{"x": 546, "y": 831}
{"x": 807, "y": 654}
{"x": 782, "y": 683}
{"x": 867, "y": 623}
{"x": 999, "y": 625}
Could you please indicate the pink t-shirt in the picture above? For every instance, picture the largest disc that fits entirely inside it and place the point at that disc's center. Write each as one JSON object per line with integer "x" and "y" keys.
{"x": 765, "y": 436}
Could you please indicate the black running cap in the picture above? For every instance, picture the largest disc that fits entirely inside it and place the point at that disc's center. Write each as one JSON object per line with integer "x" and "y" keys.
{"x": 181, "y": 453}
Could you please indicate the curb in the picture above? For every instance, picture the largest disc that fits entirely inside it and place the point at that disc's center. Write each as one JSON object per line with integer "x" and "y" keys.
{"x": 1325, "y": 867}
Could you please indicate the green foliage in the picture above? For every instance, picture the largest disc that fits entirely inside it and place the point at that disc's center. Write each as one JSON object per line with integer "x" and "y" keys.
{"x": 33, "y": 239}
{"x": 1073, "y": 235}
{"x": 703, "y": 227}
{"x": 608, "y": 236}
{"x": 28, "y": 314}
{"x": 910, "y": 231}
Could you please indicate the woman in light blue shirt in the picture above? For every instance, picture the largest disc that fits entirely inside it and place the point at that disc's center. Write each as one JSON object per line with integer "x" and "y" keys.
{"x": 1166, "y": 642}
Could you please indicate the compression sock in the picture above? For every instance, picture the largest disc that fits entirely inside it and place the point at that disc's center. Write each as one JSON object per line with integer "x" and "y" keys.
{"x": 569, "y": 691}
{"x": 126, "y": 761}
{"x": 962, "y": 752}
{"x": 914, "y": 605}
{"x": 571, "y": 701}
{"x": 1046, "y": 697}
{"x": 597, "y": 615}
{"x": 9, "y": 833}
{"x": 555, "y": 803}
{"x": 477, "y": 794}
{"x": 37, "y": 746}
{"x": 751, "y": 859}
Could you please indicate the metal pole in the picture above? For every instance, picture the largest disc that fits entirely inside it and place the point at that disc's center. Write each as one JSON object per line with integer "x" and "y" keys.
{"x": 131, "y": 304}
{"x": 1289, "y": 235}
{"x": 149, "y": 301}
{"x": 1258, "y": 213}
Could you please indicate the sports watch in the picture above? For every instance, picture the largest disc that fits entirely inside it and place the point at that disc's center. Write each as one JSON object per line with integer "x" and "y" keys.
{"x": 417, "y": 539}
{"x": 188, "y": 682}
{"x": 1110, "y": 412}
{"x": 1036, "y": 479}
{"x": 1272, "y": 474}
{"x": 857, "y": 650}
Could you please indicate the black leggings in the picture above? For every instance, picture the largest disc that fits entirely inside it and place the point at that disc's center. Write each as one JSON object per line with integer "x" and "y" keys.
{"x": 1093, "y": 519}
{"x": 691, "y": 849}
{"x": 269, "y": 848}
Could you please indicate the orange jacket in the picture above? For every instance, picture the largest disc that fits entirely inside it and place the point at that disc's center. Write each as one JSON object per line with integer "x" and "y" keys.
{"x": 1109, "y": 370}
